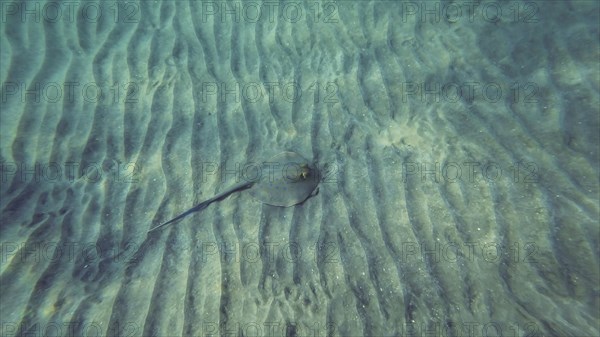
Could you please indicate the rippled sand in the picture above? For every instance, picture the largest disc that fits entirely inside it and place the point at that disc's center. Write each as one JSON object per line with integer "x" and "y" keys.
{"x": 459, "y": 160}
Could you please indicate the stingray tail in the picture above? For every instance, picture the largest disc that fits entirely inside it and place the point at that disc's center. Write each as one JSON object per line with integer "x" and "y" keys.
{"x": 203, "y": 205}
{"x": 197, "y": 208}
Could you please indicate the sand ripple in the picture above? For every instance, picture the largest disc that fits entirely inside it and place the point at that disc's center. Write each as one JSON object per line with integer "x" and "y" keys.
{"x": 459, "y": 160}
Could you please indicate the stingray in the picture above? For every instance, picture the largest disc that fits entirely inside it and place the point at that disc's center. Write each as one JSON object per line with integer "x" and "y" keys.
{"x": 285, "y": 180}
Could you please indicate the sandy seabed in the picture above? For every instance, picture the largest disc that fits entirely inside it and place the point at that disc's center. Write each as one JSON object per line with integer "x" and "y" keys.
{"x": 458, "y": 152}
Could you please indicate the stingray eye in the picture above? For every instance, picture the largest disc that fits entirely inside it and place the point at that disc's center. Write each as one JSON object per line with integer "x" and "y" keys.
{"x": 305, "y": 171}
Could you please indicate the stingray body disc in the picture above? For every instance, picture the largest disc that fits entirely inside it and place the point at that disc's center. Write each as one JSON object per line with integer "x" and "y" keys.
{"x": 286, "y": 179}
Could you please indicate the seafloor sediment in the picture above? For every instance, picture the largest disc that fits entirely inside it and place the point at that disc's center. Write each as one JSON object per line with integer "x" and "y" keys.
{"x": 459, "y": 159}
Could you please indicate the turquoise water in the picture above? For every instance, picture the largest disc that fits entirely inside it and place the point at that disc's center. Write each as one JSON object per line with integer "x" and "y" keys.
{"x": 457, "y": 148}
